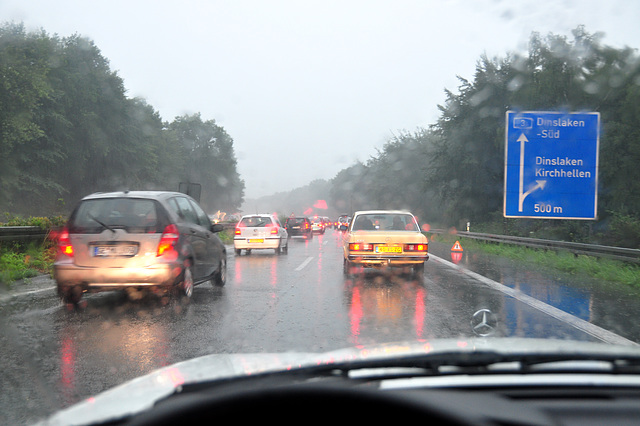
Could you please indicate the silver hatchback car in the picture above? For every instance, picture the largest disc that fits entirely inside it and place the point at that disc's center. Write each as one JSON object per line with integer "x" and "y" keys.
{"x": 138, "y": 240}
{"x": 260, "y": 231}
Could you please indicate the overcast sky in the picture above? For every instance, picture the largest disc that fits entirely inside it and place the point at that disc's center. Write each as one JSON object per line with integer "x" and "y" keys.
{"x": 306, "y": 88}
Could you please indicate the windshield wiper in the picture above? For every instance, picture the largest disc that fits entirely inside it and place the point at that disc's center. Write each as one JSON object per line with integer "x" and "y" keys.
{"x": 102, "y": 223}
{"x": 489, "y": 362}
{"x": 434, "y": 365}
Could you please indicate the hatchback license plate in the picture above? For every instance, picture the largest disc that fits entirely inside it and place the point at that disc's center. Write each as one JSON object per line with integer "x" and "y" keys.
{"x": 385, "y": 249}
{"x": 256, "y": 240}
{"x": 115, "y": 250}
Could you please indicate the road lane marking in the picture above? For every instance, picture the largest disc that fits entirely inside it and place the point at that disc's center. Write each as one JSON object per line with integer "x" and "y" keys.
{"x": 6, "y": 297}
{"x": 585, "y": 326}
{"x": 303, "y": 264}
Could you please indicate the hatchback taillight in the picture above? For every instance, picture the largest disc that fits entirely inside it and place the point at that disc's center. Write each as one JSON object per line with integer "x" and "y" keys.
{"x": 64, "y": 243}
{"x": 169, "y": 239}
{"x": 238, "y": 232}
{"x": 274, "y": 230}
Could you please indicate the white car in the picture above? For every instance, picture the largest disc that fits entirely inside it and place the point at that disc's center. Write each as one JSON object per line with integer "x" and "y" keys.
{"x": 260, "y": 231}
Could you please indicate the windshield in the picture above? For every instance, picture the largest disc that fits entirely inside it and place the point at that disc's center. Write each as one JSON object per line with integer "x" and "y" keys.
{"x": 480, "y": 158}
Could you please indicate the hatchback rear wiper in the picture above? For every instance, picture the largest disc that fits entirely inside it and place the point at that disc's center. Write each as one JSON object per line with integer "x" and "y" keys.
{"x": 102, "y": 223}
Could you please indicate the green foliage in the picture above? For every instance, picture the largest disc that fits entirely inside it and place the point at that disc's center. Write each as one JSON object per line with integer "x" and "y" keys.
{"x": 67, "y": 129}
{"x": 209, "y": 159}
{"x": 458, "y": 162}
{"x": 394, "y": 179}
{"x": 226, "y": 236}
{"x": 42, "y": 222}
{"x": 18, "y": 261}
{"x": 623, "y": 231}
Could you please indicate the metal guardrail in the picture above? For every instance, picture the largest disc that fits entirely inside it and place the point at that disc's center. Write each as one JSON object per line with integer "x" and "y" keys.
{"x": 35, "y": 233}
{"x": 22, "y": 233}
{"x": 617, "y": 253}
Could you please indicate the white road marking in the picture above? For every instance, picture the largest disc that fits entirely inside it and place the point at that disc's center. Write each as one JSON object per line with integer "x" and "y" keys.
{"x": 5, "y": 297}
{"x": 580, "y": 324}
{"x": 303, "y": 264}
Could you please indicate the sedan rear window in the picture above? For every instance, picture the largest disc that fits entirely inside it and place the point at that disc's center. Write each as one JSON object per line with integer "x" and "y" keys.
{"x": 384, "y": 222}
{"x": 131, "y": 214}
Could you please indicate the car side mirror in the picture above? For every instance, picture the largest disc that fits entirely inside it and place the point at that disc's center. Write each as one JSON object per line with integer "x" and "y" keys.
{"x": 217, "y": 227}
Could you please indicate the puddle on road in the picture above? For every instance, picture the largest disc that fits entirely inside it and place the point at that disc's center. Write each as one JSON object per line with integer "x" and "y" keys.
{"x": 609, "y": 305}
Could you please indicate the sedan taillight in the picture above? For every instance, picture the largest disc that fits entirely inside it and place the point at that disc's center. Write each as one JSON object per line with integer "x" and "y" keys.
{"x": 360, "y": 247}
{"x": 168, "y": 241}
{"x": 416, "y": 247}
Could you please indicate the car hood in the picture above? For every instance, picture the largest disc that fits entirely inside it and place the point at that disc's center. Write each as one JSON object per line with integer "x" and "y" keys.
{"x": 141, "y": 393}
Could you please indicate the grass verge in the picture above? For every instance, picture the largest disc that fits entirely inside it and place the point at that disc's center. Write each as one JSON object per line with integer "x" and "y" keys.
{"x": 20, "y": 261}
{"x": 600, "y": 268}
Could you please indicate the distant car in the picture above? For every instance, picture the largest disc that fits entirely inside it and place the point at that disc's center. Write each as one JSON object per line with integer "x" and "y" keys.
{"x": 317, "y": 224}
{"x": 327, "y": 222}
{"x": 260, "y": 231}
{"x": 138, "y": 240}
{"x": 299, "y": 227}
{"x": 384, "y": 238}
{"x": 343, "y": 222}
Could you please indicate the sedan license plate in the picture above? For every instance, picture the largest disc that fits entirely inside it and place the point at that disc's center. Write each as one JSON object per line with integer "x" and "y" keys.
{"x": 256, "y": 240}
{"x": 387, "y": 249}
{"x": 114, "y": 250}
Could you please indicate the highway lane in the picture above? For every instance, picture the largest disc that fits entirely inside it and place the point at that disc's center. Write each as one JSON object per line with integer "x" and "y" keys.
{"x": 53, "y": 356}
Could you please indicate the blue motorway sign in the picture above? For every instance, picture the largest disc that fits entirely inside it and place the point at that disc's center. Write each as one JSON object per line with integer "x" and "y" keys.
{"x": 551, "y": 165}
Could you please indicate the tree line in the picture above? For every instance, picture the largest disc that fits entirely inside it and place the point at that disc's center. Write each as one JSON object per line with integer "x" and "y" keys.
{"x": 67, "y": 129}
{"x": 452, "y": 171}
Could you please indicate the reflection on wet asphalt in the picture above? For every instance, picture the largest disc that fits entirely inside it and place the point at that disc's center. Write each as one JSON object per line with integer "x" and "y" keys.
{"x": 53, "y": 356}
{"x": 610, "y": 306}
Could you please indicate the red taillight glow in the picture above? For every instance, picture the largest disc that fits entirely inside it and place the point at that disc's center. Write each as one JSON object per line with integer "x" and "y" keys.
{"x": 274, "y": 230}
{"x": 64, "y": 243}
{"x": 360, "y": 247}
{"x": 415, "y": 247}
{"x": 168, "y": 240}
{"x": 238, "y": 232}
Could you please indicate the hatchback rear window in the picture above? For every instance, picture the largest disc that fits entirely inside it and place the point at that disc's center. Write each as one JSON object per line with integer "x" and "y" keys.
{"x": 255, "y": 221}
{"x": 135, "y": 215}
{"x": 295, "y": 221}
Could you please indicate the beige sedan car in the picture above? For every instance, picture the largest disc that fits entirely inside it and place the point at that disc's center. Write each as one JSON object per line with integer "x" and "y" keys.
{"x": 384, "y": 238}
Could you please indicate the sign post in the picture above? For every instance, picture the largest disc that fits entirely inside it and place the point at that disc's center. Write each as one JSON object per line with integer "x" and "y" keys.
{"x": 551, "y": 165}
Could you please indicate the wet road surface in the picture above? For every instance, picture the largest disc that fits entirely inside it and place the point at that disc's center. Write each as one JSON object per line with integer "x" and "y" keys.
{"x": 53, "y": 356}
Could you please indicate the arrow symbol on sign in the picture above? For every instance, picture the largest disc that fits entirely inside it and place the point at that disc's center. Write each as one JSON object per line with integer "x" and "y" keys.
{"x": 539, "y": 183}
